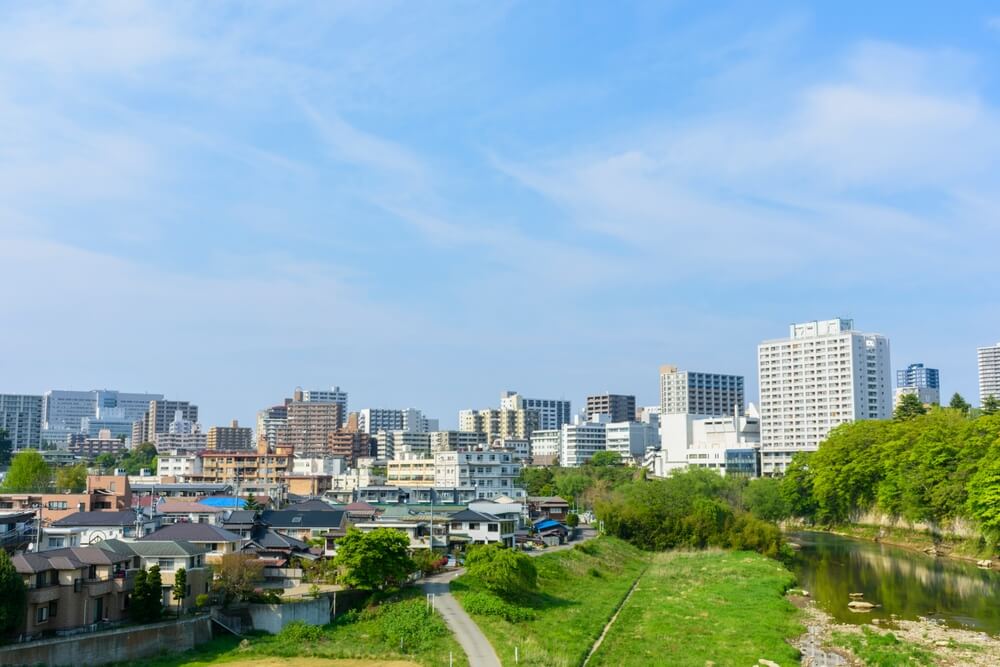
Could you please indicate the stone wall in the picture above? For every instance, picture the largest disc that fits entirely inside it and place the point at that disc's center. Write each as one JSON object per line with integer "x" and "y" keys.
{"x": 123, "y": 645}
{"x": 958, "y": 526}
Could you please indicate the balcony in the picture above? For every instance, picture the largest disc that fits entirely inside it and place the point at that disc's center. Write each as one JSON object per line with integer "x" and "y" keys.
{"x": 43, "y": 594}
{"x": 97, "y": 587}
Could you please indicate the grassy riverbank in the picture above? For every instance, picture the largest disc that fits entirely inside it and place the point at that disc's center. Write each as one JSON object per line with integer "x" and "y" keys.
{"x": 397, "y": 630}
{"x": 579, "y": 590}
{"x": 698, "y": 608}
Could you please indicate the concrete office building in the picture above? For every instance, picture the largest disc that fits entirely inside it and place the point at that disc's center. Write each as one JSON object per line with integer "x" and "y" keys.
{"x": 702, "y": 394}
{"x": 552, "y": 413}
{"x": 618, "y": 407}
{"x": 233, "y": 436}
{"x": 546, "y": 446}
{"x": 631, "y": 439}
{"x": 708, "y": 442}
{"x": 824, "y": 374}
{"x": 63, "y": 411}
{"x": 580, "y": 441}
{"x": 270, "y": 421}
{"x": 21, "y": 417}
{"x": 989, "y": 372}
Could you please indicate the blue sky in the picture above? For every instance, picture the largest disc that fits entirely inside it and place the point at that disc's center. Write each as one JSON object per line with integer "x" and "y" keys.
{"x": 429, "y": 203}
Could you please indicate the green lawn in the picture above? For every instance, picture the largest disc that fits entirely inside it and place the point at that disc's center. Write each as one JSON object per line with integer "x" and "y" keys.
{"x": 694, "y": 607}
{"x": 374, "y": 634}
{"x": 579, "y": 590}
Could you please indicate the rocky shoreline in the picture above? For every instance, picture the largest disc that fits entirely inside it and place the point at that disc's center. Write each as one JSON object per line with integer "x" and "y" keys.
{"x": 951, "y": 647}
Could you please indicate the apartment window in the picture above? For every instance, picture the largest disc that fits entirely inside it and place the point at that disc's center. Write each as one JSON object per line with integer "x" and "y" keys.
{"x": 57, "y": 505}
{"x": 53, "y": 608}
{"x": 165, "y": 563}
{"x": 56, "y": 542}
{"x": 42, "y": 614}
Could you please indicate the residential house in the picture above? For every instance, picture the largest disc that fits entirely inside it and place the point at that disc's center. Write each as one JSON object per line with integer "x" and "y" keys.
{"x": 548, "y": 507}
{"x": 216, "y": 541}
{"x": 82, "y": 529}
{"x": 73, "y": 587}
{"x": 474, "y": 527}
{"x": 189, "y": 511}
{"x": 170, "y": 556}
{"x": 418, "y": 532}
{"x": 307, "y": 524}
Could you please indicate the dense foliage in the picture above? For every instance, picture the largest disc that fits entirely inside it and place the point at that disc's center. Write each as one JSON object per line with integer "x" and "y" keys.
{"x": 14, "y": 595}
{"x": 578, "y": 485}
{"x": 375, "y": 560}
{"x": 502, "y": 571}
{"x": 933, "y": 468}
{"x": 147, "y": 595}
{"x": 28, "y": 473}
{"x": 131, "y": 460}
{"x": 237, "y": 576}
{"x": 695, "y": 508}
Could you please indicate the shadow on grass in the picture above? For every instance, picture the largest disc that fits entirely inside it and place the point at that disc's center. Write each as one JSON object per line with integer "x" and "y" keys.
{"x": 535, "y": 601}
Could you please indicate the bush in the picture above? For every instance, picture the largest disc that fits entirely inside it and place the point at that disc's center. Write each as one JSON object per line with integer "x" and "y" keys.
{"x": 298, "y": 632}
{"x": 488, "y": 604}
{"x": 572, "y": 520}
{"x": 202, "y": 600}
{"x": 503, "y": 571}
{"x": 405, "y": 624}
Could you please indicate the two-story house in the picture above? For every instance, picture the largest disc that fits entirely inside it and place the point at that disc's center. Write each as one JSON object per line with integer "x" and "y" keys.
{"x": 480, "y": 528}
{"x": 170, "y": 556}
{"x": 216, "y": 541}
{"x": 87, "y": 528}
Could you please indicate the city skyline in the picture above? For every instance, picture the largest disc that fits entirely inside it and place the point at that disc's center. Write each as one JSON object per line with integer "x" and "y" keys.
{"x": 220, "y": 205}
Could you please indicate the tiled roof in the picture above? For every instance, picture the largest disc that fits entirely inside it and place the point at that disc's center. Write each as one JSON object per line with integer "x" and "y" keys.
{"x": 153, "y": 548}
{"x": 192, "y": 532}
{"x": 470, "y": 515}
{"x": 117, "y": 518}
{"x": 313, "y": 504}
{"x": 307, "y": 519}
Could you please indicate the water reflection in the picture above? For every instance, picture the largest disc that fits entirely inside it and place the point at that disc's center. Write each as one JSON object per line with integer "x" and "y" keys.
{"x": 903, "y": 582}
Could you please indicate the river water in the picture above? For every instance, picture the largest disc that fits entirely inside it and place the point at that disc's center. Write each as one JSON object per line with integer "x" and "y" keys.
{"x": 905, "y": 583}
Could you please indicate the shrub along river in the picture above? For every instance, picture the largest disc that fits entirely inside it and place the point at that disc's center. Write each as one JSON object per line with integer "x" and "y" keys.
{"x": 905, "y": 583}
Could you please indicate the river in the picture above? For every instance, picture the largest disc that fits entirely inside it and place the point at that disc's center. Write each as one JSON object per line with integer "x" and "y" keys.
{"x": 905, "y": 583}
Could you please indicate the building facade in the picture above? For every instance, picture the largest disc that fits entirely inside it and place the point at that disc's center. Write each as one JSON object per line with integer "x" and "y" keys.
{"x": 158, "y": 418}
{"x": 233, "y": 436}
{"x": 824, "y": 374}
{"x": 703, "y": 394}
{"x": 21, "y": 417}
{"x": 552, "y": 413}
{"x": 618, "y": 407}
{"x": 63, "y": 411}
{"x": 631, "y": 439}
{"x": 270, "y": 421}
{"x": 989, "y": 372}
{"x": 919, "y": 381}
{"x": 490, "y": 473}
{"x": 580, "y": 441}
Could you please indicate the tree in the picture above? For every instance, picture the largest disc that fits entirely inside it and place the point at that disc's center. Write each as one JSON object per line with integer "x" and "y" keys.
{"x": 148, "y": 596}
{"x": 797, "y": 487}
{"x": 605, "y": 458}
{"x": 959, "y": 403}
{"x": 14, "y": 596}
{"x": 427, "y": 561}
{"x": 251, "y": 503}
{"x": 572, "y": 520}
{"x": 764, "y": 499}
{"x": 991, "y": 405}
{"x": 179, "y": 591}
{"x": 5, "y": 447}
{"x": 908, "y": 408}
{"x": 105, "y": 461}
{"x": 237, "y": 575}
{"x": 503, "y": 571}
{"x": 71, "y": 479}
{"x": 535, "y": 480}
{"x": 374, "y": 560}
{"x": 28, "y": 473}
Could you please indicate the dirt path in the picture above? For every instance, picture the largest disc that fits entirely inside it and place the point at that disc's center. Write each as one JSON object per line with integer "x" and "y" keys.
{"x": 614, "y": 617}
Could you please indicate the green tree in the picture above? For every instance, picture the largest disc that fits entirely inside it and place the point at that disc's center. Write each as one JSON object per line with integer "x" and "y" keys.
{"x": 179, "y": 591}
{"x": 572, "y": 520}
{"x": 251, "y": 503}
{"x": 908, "y": 408}
{"x": 797, "y": 487}
{"x": 14, "y": 596}
{"x": 959, "y": 403}
{"x": 984, "y": 493}
{"x": 764, "y": 499}
{"x": 105, "y": 461}
{"x": 605, "y": 458}
{"x": 237, "y": 576}
{"x": 535, "y": 480}
{"x": 503, "y": 571}
{"x": 5, "y": 447}
{"x": 375, "y": 560}
{"x": 991, "y": 405}
{"x": 153, "y": 597}
{"x": 71, "y": 479}
{"x": 427, "y": 561}
{"x": 572, "y": 485}
{"x": 28, "y": 473}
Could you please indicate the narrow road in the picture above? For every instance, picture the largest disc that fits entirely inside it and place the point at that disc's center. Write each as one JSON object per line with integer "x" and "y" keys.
{"x": 478, "y": 649}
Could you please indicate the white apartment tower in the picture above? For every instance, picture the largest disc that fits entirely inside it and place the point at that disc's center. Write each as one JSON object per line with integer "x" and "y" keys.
{"x": 989, "y": 372}
{"x": 552, "y": 413}
{"x": 823, "y": 375}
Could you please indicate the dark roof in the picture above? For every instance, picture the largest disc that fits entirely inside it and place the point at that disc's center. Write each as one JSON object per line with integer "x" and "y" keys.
{"x": 237, "y": 517}
{"x": 153, "y": 548}
{"x": 68, "y": 558}
{"x": 471, "y": 515}
{"x": 192, "y": 532}
{"x": 547, "y": 500}
{"x": 310, "y": 519}
{"x": 108, "y": 518}
{"x": 312, "y": 504}
{"x": 269, "y": 539}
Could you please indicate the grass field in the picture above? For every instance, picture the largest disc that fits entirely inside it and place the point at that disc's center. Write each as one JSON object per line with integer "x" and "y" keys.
{"x": 698, "y": 608}
{"x": 579, "y": 590}
{"x": 399, "y": 630}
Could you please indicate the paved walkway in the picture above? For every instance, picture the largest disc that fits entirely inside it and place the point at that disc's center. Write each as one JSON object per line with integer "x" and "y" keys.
{"x": 477, "y": 647}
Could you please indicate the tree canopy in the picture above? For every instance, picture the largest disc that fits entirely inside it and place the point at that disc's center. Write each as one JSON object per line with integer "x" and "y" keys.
{"x": 28, "y": 473}
{"x": 375, "y": 560}
{"x": 237, "y": 576}
{"x": 14, "y": 596}
{"x": 503, "y": 571}
{"x": 909, "y": 407}
{"x": 72, "y": 479}
{"x": 959, "y": 403}
{"x": 605, "y": 458}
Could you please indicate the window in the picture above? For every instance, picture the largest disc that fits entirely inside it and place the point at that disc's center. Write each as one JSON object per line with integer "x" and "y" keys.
{"x": 57, "y": 505}
{"x": 53, "y": 608}
{"x": 493, "y": 527}
{"x": 42, "y": 614}
{"x": 165, "y": 563}
{"x": 473, "y": 526}
{"x": 56, "y": 542}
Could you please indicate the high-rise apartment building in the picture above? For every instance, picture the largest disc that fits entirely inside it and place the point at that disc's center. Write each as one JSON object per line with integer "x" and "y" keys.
{"x": 351, "y": 445}
{"x": 451, "y": 441}
{"x": 230, "y": 437}
{"x": 702, "y": 394}
{"x": 373, "y": 420}
{"x": 824, "y": 374}
{"x": 309, "y": 424}
{"x": 159, "y": 416}
{"x": 552, "y": 413}
{"x": 21, "y": 417}
{"x": 270, "y": 421}
{"x": 989, "y": 372}
{"x": 331, "y": 395}
{"x": 618, "y": 407}
{"x": 502, "y": 424}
